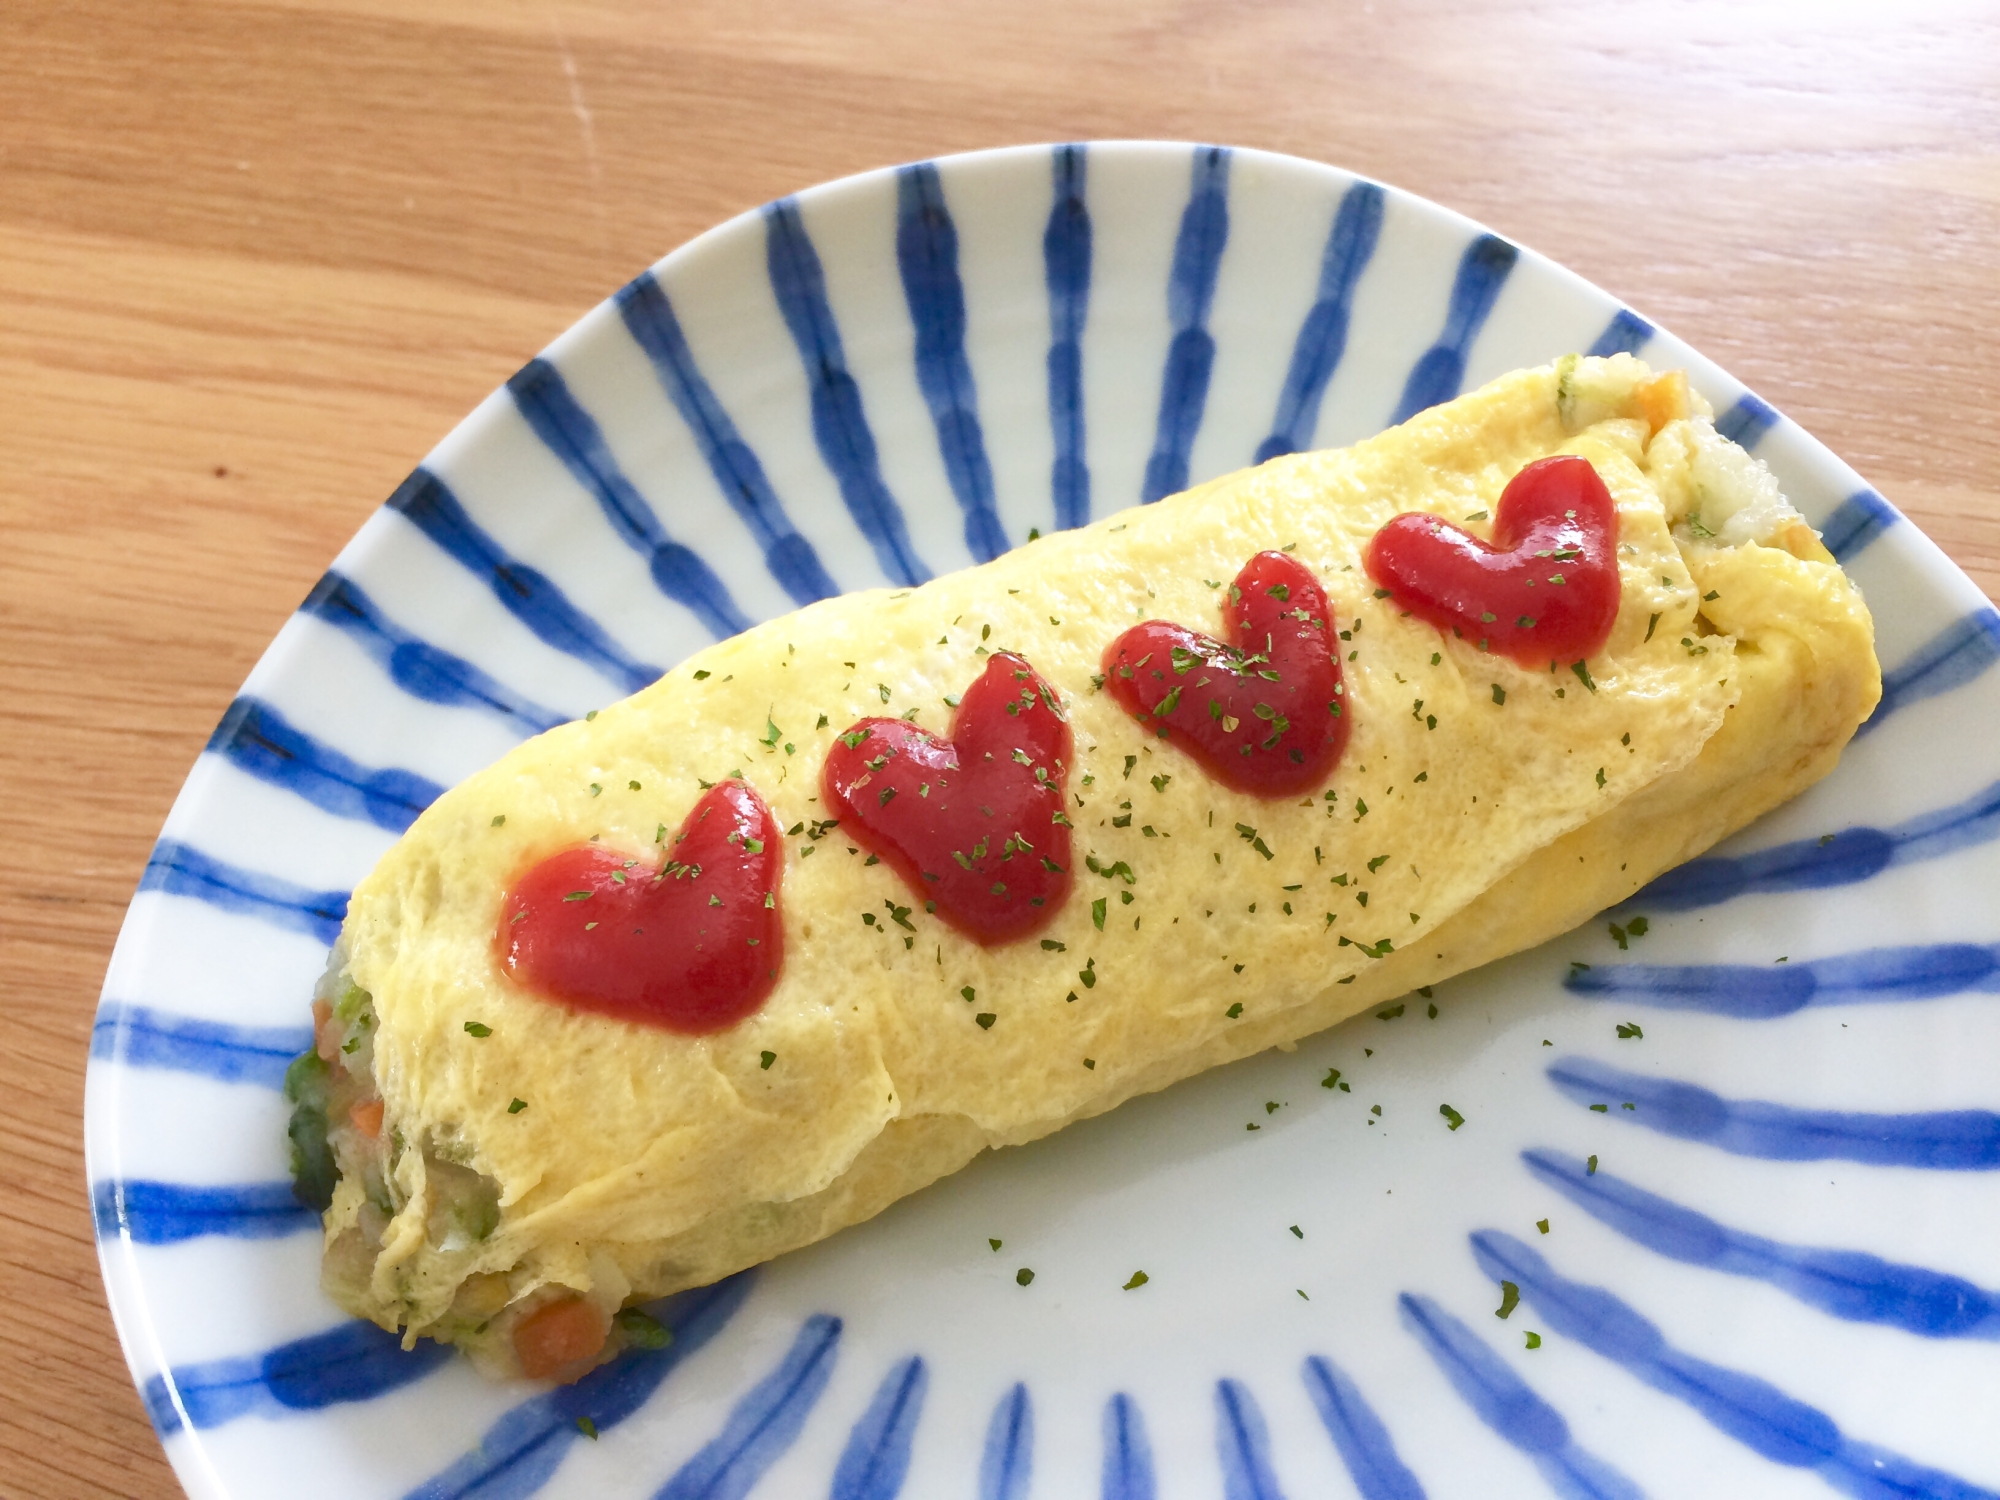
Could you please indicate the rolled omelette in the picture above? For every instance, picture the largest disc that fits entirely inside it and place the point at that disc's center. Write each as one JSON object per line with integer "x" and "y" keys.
{"x": 510, "y": 1171}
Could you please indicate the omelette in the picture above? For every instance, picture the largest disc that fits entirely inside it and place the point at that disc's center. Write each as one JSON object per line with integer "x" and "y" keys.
{"x": 843, "y": 901}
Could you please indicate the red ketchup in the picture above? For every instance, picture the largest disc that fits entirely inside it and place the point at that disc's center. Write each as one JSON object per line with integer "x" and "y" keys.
{"x": 1265, "y": 714}
{"x": 692, "y": 944}
{"x": 973, "y": 823}
{"x": 1544, "y": 590}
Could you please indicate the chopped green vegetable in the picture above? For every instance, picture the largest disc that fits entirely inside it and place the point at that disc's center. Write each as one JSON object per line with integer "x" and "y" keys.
{"x": 314, "y": 1171}
{"x": 642, "y": 1330}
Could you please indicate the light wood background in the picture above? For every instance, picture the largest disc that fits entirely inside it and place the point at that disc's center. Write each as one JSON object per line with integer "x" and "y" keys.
{"x": 256, "y": 258}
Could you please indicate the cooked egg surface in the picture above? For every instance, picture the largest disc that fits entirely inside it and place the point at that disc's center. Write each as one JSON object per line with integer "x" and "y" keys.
{"x": 1226, "y": 924}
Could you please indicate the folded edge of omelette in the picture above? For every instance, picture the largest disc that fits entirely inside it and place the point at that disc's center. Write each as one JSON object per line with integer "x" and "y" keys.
{"x": 488, "y": 1159}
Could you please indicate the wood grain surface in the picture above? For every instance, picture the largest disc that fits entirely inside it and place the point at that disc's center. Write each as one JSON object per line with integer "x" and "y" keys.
{"x": 256, "y": 258}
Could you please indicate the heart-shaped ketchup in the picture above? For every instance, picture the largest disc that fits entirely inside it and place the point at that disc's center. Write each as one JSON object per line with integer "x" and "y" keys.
{"x": 973, "y": 823}
{"x": 1545, "y": 589}
{"x": 1265, "y": 714}
{"x": 692, "y": 944}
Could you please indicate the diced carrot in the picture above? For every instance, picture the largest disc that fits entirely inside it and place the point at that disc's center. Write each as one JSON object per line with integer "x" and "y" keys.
{"x": 366, "y": 1116}
{"x": 560, "y": 1339}
{"x": 328, "y": 1033}
{"x": 1803, "y": 543}
{"x": 1664, "y": 398}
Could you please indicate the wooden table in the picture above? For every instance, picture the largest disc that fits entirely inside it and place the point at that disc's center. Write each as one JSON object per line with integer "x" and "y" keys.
{"x": 256, "y": 258}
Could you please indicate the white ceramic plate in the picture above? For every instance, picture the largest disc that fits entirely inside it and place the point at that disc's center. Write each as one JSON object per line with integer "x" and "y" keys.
{"x": 1779, "y": 1278}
